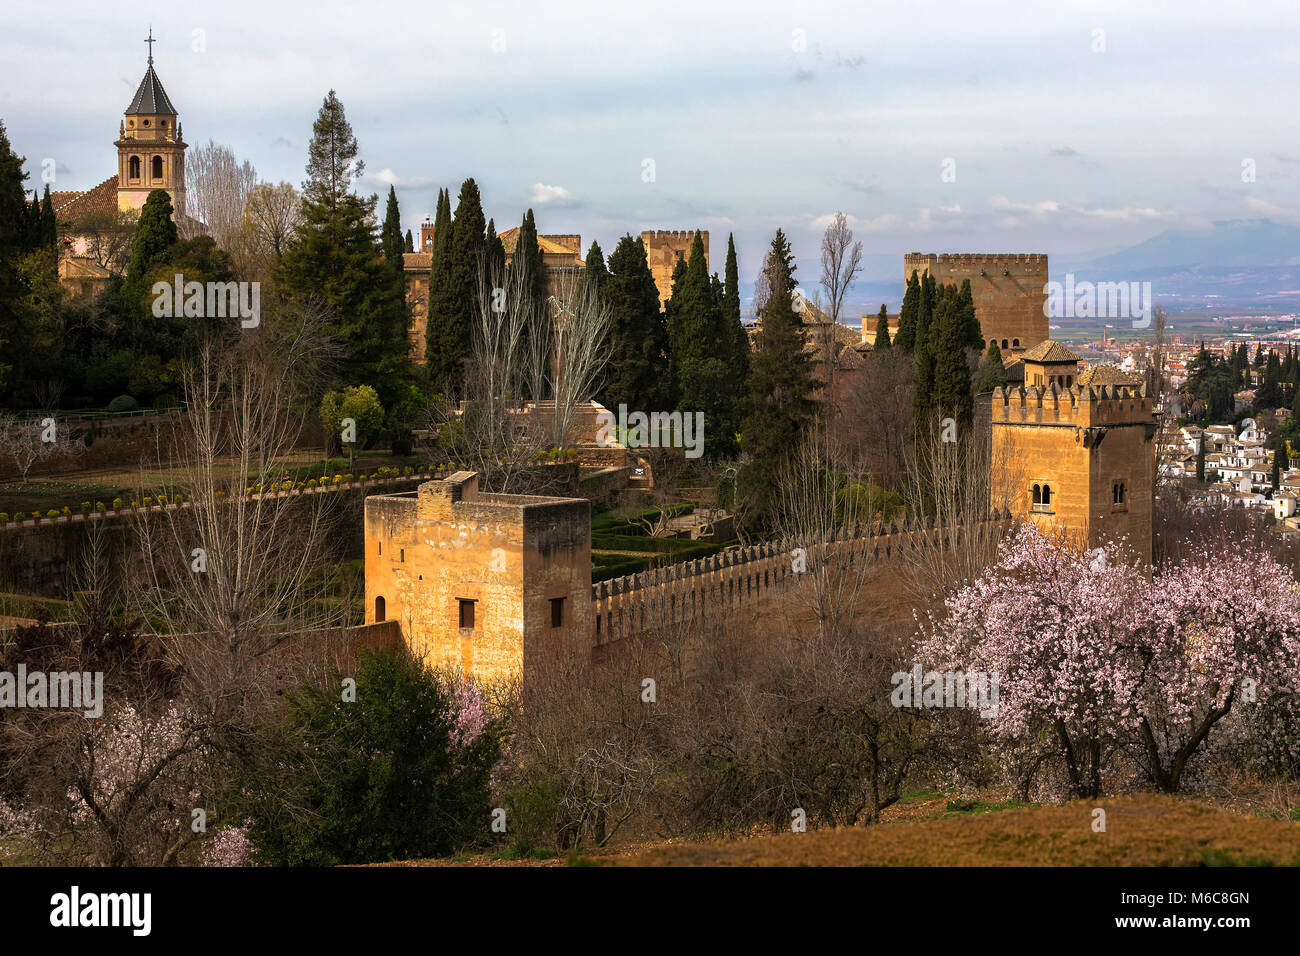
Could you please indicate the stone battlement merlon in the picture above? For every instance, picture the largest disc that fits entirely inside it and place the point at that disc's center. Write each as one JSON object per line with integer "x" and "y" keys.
{"x": 1107, "y": 404}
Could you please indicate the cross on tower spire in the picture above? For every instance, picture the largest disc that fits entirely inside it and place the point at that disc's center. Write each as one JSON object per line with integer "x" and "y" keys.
{"x": 150, "y": 41}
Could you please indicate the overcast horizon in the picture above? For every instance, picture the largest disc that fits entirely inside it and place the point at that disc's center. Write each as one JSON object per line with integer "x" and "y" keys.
{"x": 1062, "y": 140}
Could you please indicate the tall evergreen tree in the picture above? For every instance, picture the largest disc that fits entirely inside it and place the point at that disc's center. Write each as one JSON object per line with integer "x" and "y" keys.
{"x": 529, "y": 252}
{"x": 594, "y": 272}
{"x": 410, "y": 241}
{"x": 390, "y": 236}
{"x": 441, "y": 368}
{"x": 738, "y": 338}
{"x": 638, "y": 338}
{"x": 494, "y": 251}
{"x": 973, "y": 335}
{"x": 698, "y": 338}
{"x": 49, "y": 225}
{"x": 13, "y": 242}
{"x": 992, "y": 373}
{"x": 949, "y": 335}
{"x": 448, "y": 333}
{"x": 336, "y": 257}
{"x": 1280, "y": 466}
{"x": 1200, "y": 459}
{"x": 781, "y": 383}
{"x": 923, "y": 385}
{"x": 882, "y": 329}
{"x": 907, "y": 316}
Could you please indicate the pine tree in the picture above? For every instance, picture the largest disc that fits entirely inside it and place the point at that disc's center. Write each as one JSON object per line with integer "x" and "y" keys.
{"x": 638, "y": 338}
{"x": 781, "y": 384}
{"x": 907, "y": 316}
{"x": 390, "y": 237}
{"x": 336, "y": 257}
{"x": 882, "y": 329}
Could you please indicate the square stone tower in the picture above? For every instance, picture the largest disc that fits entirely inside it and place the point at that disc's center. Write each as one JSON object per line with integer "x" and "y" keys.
{"x": 487, "y": 582}
{"x": 662, "y": 247}
{"x": 1010, "y": 292}
{"x": 1079, "y": 458}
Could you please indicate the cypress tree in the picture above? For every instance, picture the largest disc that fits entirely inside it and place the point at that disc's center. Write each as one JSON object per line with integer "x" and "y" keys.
{"x": 1280, "y": 465}
{"x": 527, "y": 251}
{"x": 738, "y": 348}
{"x": 923, "y": 387}
{"x": 50, "y": 226}
{"x": 697, "y": 337}
{"x": 410, "y": 241}
{"x": 594, "y": 272}
{"x": 973, "y": 334}
{"x": 442, "y": 367}
{"x": 638, "y": 339}
{"x": 13, "y": 238}
{"x": 907, "y": 316}
{"x": 949, "y": 332}
{"x": 882, "y": 329}
{"x": 494, "y": 251}
{"x": 992, "y": 373}
{"x": 780, "y": 403}
{"x": 1200, "y": 459}
{"x": 449, "y": 326}
{"x": 390, "y": 237}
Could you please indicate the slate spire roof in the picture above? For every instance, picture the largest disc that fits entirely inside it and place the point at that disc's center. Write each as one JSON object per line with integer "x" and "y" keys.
{"x": 150, "y": 98}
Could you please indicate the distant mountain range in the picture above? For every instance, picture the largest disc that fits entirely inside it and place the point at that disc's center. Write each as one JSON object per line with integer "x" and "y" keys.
{"x": 1239, "y": 265}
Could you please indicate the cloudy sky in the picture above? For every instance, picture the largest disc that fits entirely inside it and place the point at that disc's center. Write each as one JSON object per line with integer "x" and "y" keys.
{"x": 1061, "y": 127}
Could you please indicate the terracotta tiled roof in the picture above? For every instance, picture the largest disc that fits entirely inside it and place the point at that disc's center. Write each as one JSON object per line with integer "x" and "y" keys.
{"x": 417, "y": 261}
{"x": 549, "y": 246}
{"x": 1049, "y": 351}
{"x": 71, "y": 205}
{"x": 1107, "y": 375}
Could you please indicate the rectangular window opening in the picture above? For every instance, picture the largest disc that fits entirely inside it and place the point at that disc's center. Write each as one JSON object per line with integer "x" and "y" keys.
{"x": 557, "y": 612}
{"x": 466, "y": 613}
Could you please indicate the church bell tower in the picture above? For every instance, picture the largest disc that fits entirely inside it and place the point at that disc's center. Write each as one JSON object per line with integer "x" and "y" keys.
{"x": 150, "y": 148}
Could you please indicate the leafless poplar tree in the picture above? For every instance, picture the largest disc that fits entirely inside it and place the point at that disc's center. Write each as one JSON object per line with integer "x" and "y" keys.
{"x": 217, "y": 188}
{"x": 231, "y": 576}
{"x": 272, "y": 217}
{"x": 841, "y": 263}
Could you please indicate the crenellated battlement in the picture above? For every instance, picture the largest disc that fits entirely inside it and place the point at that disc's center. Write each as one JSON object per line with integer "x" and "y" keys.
{"x": 1083, "y": 407}
{"x": 673, "y": 235}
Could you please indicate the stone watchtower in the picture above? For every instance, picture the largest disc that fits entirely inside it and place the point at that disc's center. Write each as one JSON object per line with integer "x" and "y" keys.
{"x": 1074, "y": 454}
{"x": 493, "y": 584}
{"x": 1010, "y": 293}
{"x": 150, "y": 148}
{"x": 662, "y": 249}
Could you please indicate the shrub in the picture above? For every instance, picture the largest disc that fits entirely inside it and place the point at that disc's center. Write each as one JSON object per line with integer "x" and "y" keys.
{"x": 409, "y": 763}
{"x": 117, "y": 504}
{"x": 148, "y": 502}
{"x": 20, "y": 516}
{"x": 85, "y": 506}
{"x": 4, "y": 517}
{"x": 66, "y": 510}
{"x": 123, "y": 403}
{"x": 100, "y": 507}
{"x": 311, "y": 482}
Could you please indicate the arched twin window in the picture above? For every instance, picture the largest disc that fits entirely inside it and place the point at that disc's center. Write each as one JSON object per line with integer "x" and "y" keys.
{"x": 133, "y": 167}
{"x": 1042, "y": 496}
{"x": 1118, "y": 494}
